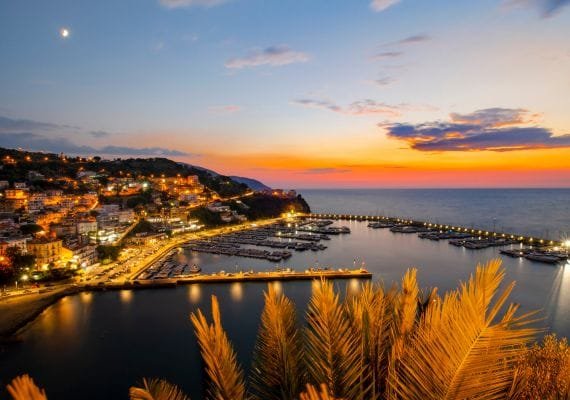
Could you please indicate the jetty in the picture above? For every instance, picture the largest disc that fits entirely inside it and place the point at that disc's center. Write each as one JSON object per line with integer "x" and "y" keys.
{"x": 417, "y": 226}
{"x": 223, "y": 277}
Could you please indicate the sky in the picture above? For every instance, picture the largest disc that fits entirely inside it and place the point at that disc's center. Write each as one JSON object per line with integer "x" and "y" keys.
{"x": 297, "y": 94}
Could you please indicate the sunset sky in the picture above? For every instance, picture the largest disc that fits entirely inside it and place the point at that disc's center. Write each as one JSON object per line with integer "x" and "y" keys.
{"x": 335, "y": 93}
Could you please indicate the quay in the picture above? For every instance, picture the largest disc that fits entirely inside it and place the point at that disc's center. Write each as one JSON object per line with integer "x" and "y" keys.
{"x": 425, "y": 225}
{"x": 267, "y": 276}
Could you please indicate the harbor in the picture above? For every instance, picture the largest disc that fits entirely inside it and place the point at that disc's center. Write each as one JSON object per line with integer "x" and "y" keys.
{"x": 532, "y": 248}
{"x": 282, "y": 237}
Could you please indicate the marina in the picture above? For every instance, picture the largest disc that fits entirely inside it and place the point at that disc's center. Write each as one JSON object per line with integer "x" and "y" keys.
{"x": 284, "y": 237}
{"x": 534, "y": 249}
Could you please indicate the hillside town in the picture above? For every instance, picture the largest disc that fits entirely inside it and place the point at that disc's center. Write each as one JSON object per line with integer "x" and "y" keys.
{"x": 61, "y": 216}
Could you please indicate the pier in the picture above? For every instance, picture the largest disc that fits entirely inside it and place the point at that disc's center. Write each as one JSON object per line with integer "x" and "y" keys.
{"x": 522, "y": 239}
{"x": 267, "y": 276}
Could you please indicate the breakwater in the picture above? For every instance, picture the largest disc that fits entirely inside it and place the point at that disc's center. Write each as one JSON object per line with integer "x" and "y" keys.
{"x": 267, "y": 276}
{"x": 525, "y": 240}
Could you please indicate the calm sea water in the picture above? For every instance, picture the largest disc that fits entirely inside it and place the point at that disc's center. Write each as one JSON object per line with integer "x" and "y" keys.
{"x": 539, "y": 212}
{"x": 95, "y": 345}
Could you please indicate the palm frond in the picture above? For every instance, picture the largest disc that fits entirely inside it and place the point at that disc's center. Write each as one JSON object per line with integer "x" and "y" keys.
{"x": 225, "y": 376}
{"x": 277, "y": 372}
{"x": 370, "y": 316}
{"x": 405, "y": 312}
{"x": 24, "y": 388}
{"x": 461, "y": 350}
{"x": 314, "y": 394}
{"x": 332, "y": 353}
{"x": 157, "y": 389}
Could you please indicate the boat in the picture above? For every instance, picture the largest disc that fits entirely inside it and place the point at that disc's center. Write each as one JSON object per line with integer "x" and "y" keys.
{"x": 512, "y": 253}
{"x": 544, "y": 258}
{"x": 194, "y": 269}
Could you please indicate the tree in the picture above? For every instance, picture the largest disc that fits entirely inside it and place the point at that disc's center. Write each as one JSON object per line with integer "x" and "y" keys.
{"x": 18, "y": 260}
{"x": 30, "y": 229}
{"x": 108, "y": 252}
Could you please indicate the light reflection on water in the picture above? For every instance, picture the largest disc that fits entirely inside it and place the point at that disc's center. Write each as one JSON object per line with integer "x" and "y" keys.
{"x": 236, "y": 290}
{"x": 126, "y": 296}
{"x": 194, "y": 293}
{"x": 277, "y": 286}
{"x": 354, "y": 286}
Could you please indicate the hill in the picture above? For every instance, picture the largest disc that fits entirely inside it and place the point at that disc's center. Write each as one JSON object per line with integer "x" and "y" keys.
{"x": 20, "y": 165}
{"x": 253, "y": 184}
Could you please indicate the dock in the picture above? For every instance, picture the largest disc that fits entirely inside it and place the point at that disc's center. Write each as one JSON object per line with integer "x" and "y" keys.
{"x": 265, "y": 276}
{"x": 420, "y": 226}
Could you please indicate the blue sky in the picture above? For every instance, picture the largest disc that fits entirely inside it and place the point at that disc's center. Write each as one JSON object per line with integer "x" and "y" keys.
{"x": 238, "y": 81}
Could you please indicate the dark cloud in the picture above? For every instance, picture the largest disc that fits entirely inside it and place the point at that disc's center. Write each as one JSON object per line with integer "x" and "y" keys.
{"x": 495, "y": 117}
{"x": 11, "y": 125}
{"x": 36, "y": 142}
{"x": 99, "y": 134}
{"x": 494, "y": 129}
{"x": 415, "y": 39}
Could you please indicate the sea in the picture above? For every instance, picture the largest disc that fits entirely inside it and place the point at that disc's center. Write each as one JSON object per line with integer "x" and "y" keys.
{"x": 96, "y": 345}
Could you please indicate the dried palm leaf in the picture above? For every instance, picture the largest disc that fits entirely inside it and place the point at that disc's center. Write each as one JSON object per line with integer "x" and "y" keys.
{"x": 313, "y": 394}
{"x": 225, "y": 376}
{"x": 277, "y": 371}
{"x": 157, "y": 389}
{"x": 24, "y": 388}
{"x": 332, "y": 352}
{"x": 460, "y": 349}
{"x": 370, "y": 316}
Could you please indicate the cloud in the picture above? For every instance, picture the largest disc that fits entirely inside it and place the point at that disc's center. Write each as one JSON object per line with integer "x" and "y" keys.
{"x": 191, "y": 3}
{"x": 322, "y": 171}
{"x": 227, "y": 109}
{"x": 361, "y": 107}
{"x": 11, "y": 125}
{"x": 381, "y": 5}
{"x": 409, "y": 40}
{"x": 99, "y": 134}
{"x": 496, "y": 117}
{"x": 492, "y": 129}
{"x": 414, "y": 39}
{"x": 36, "y": 142}
{"x": 387, "y": 55}
{"x": 383, "y": 82}
{"x": 275, "y": 56}
{"x": 547, "y": 8}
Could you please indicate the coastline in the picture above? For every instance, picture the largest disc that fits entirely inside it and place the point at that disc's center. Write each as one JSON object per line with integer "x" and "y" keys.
{"x": 17, "y": 313}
